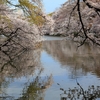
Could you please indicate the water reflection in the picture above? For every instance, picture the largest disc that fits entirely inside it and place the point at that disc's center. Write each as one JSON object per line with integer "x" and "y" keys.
{"x": 79, "y": 61}
{"x": 19, "y": 64}
{"x": 35, "y": 90}
{"x": 34, "y": 74}
{"x": 22, "y": 67}
{"x": 81, "y": 64}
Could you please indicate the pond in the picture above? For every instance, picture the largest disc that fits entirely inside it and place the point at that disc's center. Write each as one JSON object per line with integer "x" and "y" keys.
{"x": 58, "y": 70}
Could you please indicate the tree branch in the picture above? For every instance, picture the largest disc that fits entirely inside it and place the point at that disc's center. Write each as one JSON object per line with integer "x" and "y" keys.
{"x": 90, "y": 4}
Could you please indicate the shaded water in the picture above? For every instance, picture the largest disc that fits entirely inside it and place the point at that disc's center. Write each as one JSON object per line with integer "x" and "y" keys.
{"x": 45, "y": 73}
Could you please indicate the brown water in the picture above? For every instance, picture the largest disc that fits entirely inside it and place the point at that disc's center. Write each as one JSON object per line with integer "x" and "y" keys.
{"x": 45, "y": 73}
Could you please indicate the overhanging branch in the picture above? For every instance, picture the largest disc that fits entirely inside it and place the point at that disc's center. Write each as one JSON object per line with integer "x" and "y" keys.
{"x": 90, "y": 4}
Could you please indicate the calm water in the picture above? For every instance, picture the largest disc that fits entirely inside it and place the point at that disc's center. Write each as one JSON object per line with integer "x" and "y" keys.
{"x": 44, "y": 73}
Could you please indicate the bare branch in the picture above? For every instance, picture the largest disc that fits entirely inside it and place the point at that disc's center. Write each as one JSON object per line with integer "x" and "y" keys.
{"x": 90, "y": 4}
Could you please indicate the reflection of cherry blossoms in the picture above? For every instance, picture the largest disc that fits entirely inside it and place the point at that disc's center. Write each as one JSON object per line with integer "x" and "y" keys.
{"x": 21, "y": 63}
{"x": 86, "y": 58}
{"x": 33, "y": 89}
{"x": 24, "y": 63}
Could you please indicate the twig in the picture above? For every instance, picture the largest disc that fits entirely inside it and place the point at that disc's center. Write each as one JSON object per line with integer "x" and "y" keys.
{"x": 81, "y": 89}
{"x": 80, "y": 17}
{"x": 71, "y": 14}
{"x": 91, "y": 5}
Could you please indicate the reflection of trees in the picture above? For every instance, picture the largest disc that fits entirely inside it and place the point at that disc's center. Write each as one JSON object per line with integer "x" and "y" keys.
{"x": 24, "y": 62}
{"x": 18, "y": 63}
{"x": 78, "y": 93}
{"x": 35, "y": 90}
{"x": 86, "y": 58}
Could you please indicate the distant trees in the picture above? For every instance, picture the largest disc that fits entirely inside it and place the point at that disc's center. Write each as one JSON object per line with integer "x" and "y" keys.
{"x": 81, "y": 22}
